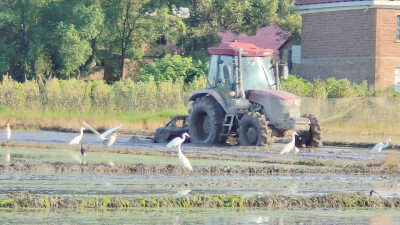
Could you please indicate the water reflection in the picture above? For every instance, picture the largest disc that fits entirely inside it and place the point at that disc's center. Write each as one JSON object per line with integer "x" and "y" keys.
{"x": 199, "y": 216}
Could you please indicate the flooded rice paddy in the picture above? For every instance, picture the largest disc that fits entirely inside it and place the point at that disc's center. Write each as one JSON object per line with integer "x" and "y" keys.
{"x": 201, "y": 216}
{"x": 43, "y": 163}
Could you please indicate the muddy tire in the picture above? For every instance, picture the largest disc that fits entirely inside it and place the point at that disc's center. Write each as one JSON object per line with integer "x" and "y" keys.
{"x": 313, "y": 137}
{"x": 254, "y": 130}
{"x": 205, "y": 122}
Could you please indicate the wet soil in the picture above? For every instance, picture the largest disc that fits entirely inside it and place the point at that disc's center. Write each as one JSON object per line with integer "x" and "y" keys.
{"x": 143, "y": 169}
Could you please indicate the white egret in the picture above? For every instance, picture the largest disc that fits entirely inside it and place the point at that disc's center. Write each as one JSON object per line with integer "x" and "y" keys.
{"x": 291, "y": 145}
{"x": 83, "y": 151}
{"x": 112, "y": 139}
{"x": 78, "y": 138}
{"x": 8, "y": 131}
{"x": 102, "y": 136}
{"x": 378, "y": 147}
{"x": 182, "y": 159}
{"x": 7, "y": 158}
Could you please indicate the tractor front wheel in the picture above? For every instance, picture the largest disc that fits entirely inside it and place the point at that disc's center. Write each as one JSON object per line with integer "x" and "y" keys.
{"x": 312, "y": 137}
{"x": 254, "y": 130}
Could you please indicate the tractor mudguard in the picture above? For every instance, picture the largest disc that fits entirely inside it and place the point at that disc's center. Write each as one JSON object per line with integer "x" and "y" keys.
{"x": 213, "y": 92}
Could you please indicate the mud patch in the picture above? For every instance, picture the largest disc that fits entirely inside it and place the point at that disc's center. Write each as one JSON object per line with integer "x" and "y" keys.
{"x": 144, "y": 169}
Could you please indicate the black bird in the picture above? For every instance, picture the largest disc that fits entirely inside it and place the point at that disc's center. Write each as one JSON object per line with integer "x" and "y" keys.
{"x": 372, "y": 192}
{"x": 83, "y": 151}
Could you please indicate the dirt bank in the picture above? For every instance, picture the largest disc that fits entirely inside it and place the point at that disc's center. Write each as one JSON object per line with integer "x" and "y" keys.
{"x": 144, "y": 169}
{"x": 26, "y": 200}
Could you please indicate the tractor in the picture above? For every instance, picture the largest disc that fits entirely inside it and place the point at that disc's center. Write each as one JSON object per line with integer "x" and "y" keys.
{"x": 242, "y": 101}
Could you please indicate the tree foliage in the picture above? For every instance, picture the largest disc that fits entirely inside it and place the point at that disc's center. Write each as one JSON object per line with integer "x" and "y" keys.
{"x": 45, "y": 39}
{"x": 173, "y": 68}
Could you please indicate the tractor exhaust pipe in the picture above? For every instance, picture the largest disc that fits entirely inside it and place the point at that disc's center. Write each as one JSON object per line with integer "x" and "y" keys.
{"x": 239, "y": 87}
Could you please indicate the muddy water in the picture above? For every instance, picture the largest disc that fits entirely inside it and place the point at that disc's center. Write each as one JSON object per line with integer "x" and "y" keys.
{"x": 86, "y": 185}
{"x": 326, "y": 153}
{"x": 201, "y": 216}
{"x": 137, "y": 185}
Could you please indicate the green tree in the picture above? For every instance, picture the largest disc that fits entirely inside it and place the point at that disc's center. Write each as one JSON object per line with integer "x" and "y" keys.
{"x": 45, "y": 38}
{"x": 16, "y": 19}
{"x": 208, "y": 17}
{"x": 74, "y": 26}
{"x": 128, "y": 25}
{"x": 173, "y": 68}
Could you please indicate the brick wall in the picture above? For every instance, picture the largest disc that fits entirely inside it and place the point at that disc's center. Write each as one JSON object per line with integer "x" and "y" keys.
{"x": 348, "y": 33}
{"x": 354, "y": 44}
{"x": 387, "y": 48}
{"x": 339, "y": 44}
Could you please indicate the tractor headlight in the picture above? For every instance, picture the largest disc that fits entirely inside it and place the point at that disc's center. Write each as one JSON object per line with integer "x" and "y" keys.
{"x": 297, "y": 102}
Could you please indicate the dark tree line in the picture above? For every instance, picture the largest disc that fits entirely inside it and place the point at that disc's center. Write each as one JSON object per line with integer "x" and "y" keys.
{"x": 41, "y": 39}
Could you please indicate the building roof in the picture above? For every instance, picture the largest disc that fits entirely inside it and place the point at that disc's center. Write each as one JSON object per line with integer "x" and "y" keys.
{"x": 309, "y": 2}
{"x": 270, "y": 37}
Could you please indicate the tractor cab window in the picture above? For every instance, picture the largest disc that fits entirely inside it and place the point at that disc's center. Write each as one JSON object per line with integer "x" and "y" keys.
{"x": 216, "y": 72}
{"x": 257, "y": 73}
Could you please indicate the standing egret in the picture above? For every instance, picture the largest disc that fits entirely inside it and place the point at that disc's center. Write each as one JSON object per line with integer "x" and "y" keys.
{"x": 8, "y": 131}
{"x": 112, "y": 139}
{"x": 378, "y": 147}
{"x": 291, "y": 145}
{"x": 77, "y": 158}
{"x": 7, "y": 158}
{"x": 77, "y": 139}
{"x": 83, "y": 151}
{"x": 182, "y": 159}
{"x": 102, "y": 136}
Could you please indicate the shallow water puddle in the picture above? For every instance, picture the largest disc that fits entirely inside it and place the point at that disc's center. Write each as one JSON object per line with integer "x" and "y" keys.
{"x": 200, "y": 216}
{"x": 72, "y": 155}
{"x": 87, "y": 185}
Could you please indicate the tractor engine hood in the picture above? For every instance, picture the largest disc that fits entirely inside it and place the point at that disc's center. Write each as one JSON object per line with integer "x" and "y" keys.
{"x": 277, "y": 105}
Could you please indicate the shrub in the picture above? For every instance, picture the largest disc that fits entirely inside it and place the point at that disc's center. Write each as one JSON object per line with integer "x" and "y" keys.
{"x": 339, "y": 88}
{"x": 297, "y": 86}
{"x": 52, "y": 95}
{"x": 319, "y": 90}
{"x": 102, "y": 96}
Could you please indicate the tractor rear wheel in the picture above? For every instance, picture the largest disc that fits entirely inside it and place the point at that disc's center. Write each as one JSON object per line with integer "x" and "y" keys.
{"x": 254, "y": 130}
{"x": 205, "y": 121}
{"x": 312, "y": 137}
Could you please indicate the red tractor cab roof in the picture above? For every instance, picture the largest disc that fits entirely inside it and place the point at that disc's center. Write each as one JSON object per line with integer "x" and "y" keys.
{"x": 228, "y": 48}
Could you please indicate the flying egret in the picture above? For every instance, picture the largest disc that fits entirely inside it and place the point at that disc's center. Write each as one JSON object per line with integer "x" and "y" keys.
{"x": 182, "y": 159}
{"x": 102, "y": 136}
{"x": 83, "y": 151}
{"x": 291, "y": 145}
{"x": 378, "y": 147}
{"x": 77, "y": 139}
{"x": 112, "y": 139}
{"x": 8, "y": 131}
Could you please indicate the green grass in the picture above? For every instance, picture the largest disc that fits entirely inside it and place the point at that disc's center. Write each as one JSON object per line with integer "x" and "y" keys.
{"x": 129, "y": 117}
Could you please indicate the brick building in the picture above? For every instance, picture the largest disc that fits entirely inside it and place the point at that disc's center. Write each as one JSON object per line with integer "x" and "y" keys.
{"x": 353, "y": 39}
